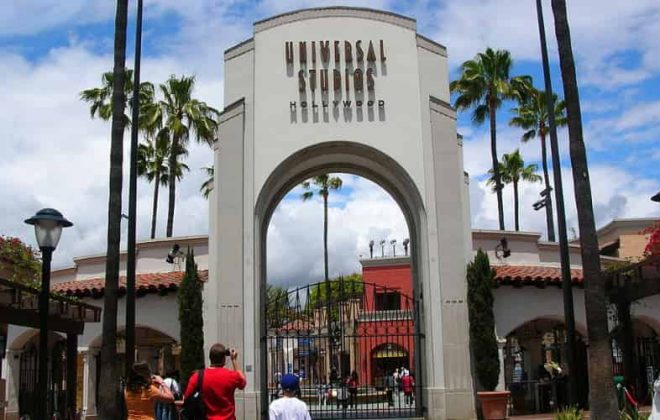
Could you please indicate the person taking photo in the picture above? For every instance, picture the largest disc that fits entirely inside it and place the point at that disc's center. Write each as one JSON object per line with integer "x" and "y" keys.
{"x": 219, "y": 384}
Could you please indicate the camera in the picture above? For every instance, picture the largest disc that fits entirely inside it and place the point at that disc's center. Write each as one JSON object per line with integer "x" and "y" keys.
{"x": 227, "y": 352}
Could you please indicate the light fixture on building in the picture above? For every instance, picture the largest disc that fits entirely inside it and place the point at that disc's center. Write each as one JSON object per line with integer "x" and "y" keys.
{"x": 405, "y": 245}
{"x": 382, "y": 247}
{"x": 502, "y": 249}
{"x": 545, "y": 197}
{"x": 174, "y": 254}
{"x": 656, "y": 198}
{"x": 393, "y": 243}
{"x": 371, "y": 248}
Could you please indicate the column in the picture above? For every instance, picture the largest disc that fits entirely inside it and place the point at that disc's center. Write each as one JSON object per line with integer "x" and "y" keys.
{"x": 12, "y": 374}
{"x": 71, "y": 372}
{"x": 85, "y": 398}
{"x": 90, "y": 409}
{"x": 501, "y": 383}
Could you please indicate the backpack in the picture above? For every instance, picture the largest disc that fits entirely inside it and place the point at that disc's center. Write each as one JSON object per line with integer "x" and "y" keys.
{"x": 193, "y": 406}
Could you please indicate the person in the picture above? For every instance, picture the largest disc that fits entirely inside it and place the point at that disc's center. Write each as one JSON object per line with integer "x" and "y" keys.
{"x": 143, "y": 390}
{"x": 342, "y": 397}
{"x": 352, "y": 384}
{"x": 323, "y": 390}
{"x": 655, "y": 409}
{"x": 389, "y": 388}
{"x": 219, "y": 384}
{"x": 408, "y": 383}
{"x": 288, "y": 406}
{"x": 165, "y": 411}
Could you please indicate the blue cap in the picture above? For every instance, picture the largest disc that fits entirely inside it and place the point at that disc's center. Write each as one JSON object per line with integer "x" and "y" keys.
{"x": 290, "y": 382}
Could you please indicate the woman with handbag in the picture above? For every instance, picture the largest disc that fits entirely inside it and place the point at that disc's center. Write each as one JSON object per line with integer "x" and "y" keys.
{"x": 143, "y": 391}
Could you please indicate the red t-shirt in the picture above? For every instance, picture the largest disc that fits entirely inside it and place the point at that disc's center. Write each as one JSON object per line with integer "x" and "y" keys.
{"x": 218, "y": 389}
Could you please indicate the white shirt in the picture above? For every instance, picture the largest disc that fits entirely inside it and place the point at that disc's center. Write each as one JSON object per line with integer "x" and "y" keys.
{"x": 288, "y": 408}
{"x": 172, "y": 385}
{"x": 655, "y": 411}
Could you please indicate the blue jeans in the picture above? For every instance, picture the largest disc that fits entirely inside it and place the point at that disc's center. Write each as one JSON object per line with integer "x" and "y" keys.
{"x": 166, "y": 412}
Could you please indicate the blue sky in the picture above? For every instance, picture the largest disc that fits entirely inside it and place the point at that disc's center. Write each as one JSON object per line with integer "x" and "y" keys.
{"x": 55, "y": 155}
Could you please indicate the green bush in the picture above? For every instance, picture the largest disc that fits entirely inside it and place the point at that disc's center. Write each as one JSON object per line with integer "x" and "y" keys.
{"x": 483, "y": 343}
{"x": 19, "y": 261}
{"x": 190, "y": 320}
{"x": 569, "y": 413}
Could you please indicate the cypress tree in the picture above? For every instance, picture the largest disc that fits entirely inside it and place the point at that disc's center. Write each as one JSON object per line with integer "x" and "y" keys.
{"x": 190, "y": 320}
{"x": 481, "y": 278}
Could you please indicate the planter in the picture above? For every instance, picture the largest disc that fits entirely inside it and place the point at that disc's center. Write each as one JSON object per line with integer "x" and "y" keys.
{"x": 494, "y": 404}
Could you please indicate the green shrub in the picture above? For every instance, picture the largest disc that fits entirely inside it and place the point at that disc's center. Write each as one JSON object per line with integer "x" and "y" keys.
{"x": 483, "y": 344}
{"x": 569, "y": 413}
{"x": 190, "y": 320}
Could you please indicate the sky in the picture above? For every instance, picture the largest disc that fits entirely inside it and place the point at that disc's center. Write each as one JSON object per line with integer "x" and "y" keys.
{"x": 55, "y": 155}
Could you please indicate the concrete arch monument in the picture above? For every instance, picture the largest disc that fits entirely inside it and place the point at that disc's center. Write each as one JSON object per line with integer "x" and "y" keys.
{"x": 341, "y": 90}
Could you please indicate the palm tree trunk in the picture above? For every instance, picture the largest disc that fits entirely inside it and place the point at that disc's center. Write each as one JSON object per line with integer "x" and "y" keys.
{"x": 172, "y": 186}
{"x": 108, "y": 401}
{"x": 328, "y": 288}
{"x": 516, "y": 207}
{"x": 154, "y": 212}
{"x": 496, "y": 167}
{"x": 549, "y": 217}
{"x": 325, "y": 234}
{"x": 602, "y": 400}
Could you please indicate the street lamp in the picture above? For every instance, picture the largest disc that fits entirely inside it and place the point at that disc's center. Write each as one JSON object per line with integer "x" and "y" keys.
{"x": 48, "y": 224}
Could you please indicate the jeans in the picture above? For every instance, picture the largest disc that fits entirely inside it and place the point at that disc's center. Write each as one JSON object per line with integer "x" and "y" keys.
{"x": 166, "y": 412}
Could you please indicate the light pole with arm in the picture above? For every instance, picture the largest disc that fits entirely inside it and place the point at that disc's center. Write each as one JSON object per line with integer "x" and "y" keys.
{"x": 48, "y": 224}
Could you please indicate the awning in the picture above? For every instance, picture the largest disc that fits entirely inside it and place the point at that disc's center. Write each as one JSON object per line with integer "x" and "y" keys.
{"x": 19, "y": 305}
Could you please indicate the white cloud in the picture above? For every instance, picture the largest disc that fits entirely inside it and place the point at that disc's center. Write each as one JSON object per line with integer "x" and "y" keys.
{"x": 56, "y": 156}
{"x": 295, "y": 235}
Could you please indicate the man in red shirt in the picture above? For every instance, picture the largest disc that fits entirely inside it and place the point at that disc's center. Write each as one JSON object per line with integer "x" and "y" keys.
{"x": 219, "y": 384}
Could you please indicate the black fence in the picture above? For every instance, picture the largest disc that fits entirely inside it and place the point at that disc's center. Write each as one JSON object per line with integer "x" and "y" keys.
{"x": 354, "y": 346}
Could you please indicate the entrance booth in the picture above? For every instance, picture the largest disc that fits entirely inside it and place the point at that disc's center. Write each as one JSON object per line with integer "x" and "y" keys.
{"x": 347, "y": 90}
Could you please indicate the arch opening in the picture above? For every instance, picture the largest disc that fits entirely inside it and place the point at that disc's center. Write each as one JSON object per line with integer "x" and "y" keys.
{"x": 535, "y": 368}
{"x": 327, "y": 361}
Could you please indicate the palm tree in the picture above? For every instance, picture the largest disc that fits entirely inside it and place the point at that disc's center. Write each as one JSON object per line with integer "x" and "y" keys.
{"x": 484, "y": 84}
{"x": 532, "y": 116}
{"x": 152, "y": 164}
{"x": 207, "y": 186}
{"x": 181, "y": 116}
{"x": 513, "y": 170}
{"x": 108, "y": 401}
{"x": 100, "y": 98}
{"x": 325, "y": 183}
{"x": 602, "y": 400}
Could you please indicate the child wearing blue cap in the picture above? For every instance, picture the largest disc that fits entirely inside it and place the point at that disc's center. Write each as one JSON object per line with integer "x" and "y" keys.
{"x": 288, "y": 407}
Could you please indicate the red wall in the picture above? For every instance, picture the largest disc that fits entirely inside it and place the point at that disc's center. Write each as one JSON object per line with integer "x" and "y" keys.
{"x": 395, "y": 277}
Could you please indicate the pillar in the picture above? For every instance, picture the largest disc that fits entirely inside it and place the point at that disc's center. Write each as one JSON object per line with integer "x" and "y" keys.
{"x": 71, "y": 373}
{"x": 501, "y": 383}
{"x": 86, "y": 373}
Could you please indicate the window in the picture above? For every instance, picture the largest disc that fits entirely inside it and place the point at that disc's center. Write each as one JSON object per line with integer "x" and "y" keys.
{"x": 388, "y": 301}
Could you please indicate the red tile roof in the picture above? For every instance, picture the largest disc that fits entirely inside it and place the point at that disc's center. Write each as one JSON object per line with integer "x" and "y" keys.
{"x": 523, "y": 275}
{"x": 145, "y": 283}
{"x": 516, "y": 275}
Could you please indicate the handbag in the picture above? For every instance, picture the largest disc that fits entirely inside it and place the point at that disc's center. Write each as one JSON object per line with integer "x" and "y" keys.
{"x": 193, "y": 406}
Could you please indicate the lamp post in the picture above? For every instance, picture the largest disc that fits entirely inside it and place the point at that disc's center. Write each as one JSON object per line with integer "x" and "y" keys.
{"x": 48, "y": 224}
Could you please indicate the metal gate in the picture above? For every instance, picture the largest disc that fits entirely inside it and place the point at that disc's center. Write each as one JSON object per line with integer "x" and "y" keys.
{"x": 354, "y": 345}
{"x": 28, "y": 398}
